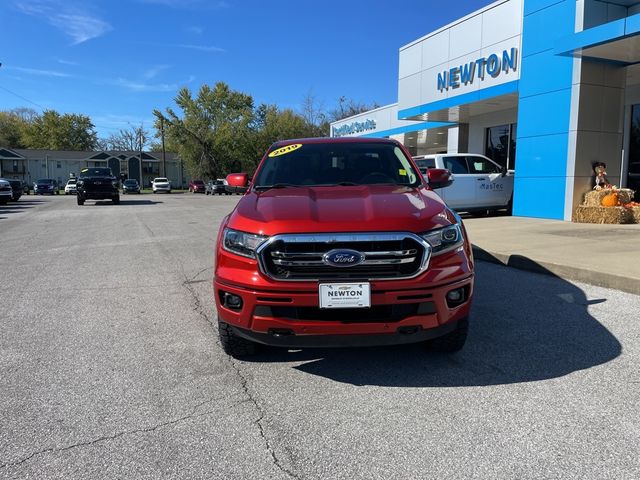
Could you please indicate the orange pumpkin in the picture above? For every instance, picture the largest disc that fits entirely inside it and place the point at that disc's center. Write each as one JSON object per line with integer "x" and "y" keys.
{"x": 610, "y": 200}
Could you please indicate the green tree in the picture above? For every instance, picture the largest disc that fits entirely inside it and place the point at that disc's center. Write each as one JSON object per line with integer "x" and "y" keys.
{"x": 12, "y": 126}
{"x": 53, "y": 131}
{"x": 211, "y": 131}
{"x": 272, "y": 124}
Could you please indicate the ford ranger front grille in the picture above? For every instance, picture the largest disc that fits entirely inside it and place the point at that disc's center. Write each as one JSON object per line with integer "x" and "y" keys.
{"x": 302, "y": 257}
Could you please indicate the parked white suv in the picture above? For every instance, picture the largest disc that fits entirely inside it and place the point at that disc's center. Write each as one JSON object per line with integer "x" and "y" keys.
{"x": 161, "y": 184}
{"x": 480, "y": 183}
{"x": 71, "y": 187}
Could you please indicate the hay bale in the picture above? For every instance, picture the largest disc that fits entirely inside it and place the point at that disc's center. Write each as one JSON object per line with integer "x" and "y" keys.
{"x": 608, "y": 215}
{"x": 594, "y": 197}
{"x": 635, "y": 211}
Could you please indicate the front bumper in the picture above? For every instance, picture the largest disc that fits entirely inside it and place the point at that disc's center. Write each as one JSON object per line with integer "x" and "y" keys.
{"x": 400, "y": 313}
{"x": 98, "y": 195}
{"x": 402, "y": 336}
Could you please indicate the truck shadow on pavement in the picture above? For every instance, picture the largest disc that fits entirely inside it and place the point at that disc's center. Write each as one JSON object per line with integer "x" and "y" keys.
{"x": 125, "y": 202}
{"x": 19, "y": 206}
{"x": 524, "y": 327}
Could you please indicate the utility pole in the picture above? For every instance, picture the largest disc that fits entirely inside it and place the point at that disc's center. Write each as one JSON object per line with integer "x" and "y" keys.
{"x": 141, "y": 178}
{"x": 164, "y": 154}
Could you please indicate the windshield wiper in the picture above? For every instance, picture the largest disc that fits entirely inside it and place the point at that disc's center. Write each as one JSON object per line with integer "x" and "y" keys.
{"x": 262, "y": 188}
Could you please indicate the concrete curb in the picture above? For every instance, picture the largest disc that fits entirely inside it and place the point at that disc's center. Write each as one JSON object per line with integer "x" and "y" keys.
{"x": 584, "y": 275}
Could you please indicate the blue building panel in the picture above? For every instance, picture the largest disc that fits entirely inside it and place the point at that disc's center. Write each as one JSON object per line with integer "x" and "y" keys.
{"x": 545, "y": 73}
{"x": 532, "y": 6}
{"x": 544, "y": 111}
{"x": 547, "y": 203}
{"x": 542, "y": 157}
{"x": 540, "y": 30}
{"x": 544, "y": 114}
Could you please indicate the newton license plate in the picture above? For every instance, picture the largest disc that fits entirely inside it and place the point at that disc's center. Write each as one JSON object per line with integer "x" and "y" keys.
{"x": 345, "y": 295}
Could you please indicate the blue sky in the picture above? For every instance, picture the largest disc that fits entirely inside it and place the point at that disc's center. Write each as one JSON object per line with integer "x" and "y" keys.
{"x": 117, "y": 60}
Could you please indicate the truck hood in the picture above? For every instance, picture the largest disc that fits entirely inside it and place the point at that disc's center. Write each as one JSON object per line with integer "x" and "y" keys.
{"x": 340, "y": 209}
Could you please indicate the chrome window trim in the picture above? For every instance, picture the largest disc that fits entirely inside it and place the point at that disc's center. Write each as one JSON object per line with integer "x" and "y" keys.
{"x": 345, "y": 237}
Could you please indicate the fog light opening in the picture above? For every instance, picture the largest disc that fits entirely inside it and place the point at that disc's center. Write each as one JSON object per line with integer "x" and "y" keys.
{"x": 231, "y": 301}
{"x": 456, "y": 297}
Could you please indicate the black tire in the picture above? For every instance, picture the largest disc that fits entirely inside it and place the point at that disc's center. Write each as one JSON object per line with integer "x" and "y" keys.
{"x": 451, "y": 342}
{"x": 116, "y": 200}
{"x": 234, "y": 345}
{"x": 510, "y": 206}
{"x": 80, "y": 199}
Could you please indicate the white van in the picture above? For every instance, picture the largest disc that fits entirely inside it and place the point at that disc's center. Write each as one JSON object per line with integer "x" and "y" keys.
{"x": 480, "y": 183}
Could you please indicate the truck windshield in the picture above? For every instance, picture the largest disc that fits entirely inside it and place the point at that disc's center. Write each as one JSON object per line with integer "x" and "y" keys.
{"x": 329, "y": 164}
{"x": 96, "y": 172}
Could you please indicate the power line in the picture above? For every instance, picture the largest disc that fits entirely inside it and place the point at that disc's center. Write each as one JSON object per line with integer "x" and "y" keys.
{"x": 44, "y": 108}
{"x": 23, "y": 98}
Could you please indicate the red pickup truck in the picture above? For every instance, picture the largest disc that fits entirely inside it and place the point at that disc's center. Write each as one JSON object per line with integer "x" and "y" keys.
{"x": 341, "y": 242}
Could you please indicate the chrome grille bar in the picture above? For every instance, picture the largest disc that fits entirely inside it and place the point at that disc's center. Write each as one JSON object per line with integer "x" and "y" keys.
{"x": 299, "y": 257}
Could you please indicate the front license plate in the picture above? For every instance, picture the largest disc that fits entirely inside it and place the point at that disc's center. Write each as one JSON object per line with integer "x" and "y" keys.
{"x": 345, "y": 295}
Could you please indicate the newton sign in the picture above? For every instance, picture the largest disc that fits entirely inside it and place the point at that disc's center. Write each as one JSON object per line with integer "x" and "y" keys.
{"x": 493, "y": 65}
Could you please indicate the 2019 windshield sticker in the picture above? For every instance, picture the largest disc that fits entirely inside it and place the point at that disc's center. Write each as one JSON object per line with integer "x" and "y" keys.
{"x": 402, "y": 172}
{"x": 285, "y": 150}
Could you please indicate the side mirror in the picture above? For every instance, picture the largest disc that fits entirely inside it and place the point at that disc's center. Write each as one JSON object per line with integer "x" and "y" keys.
{"x": 439, "y": 178}
{"x": 237, "y": 182}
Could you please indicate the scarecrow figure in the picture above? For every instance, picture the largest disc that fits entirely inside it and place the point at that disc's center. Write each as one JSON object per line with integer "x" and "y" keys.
{"x": 601, "y": 180}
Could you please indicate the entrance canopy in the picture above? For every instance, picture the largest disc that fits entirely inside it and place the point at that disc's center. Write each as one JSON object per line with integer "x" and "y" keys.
{"x": 460, "y": 108}
{"x": 615, "y": 42}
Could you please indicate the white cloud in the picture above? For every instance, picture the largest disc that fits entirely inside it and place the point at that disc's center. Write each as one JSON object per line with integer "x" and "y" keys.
{"x": 72, "y": 19}
{"x": 37, "y": 71}
{"x": 155, "y": 71}
{"x": 135, "y": 86}
{"x": 194, "y": 29}
{"x": 202, "y": 48}
{"x": 112, "y": 121}
{"x": 188, "y": 3}
{"x": 62, "y": 61}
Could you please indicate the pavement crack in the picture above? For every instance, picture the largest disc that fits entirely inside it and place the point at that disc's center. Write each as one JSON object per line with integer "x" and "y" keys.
{"x": 106, "y": 438}
{"x": 197, "y": 304}
{"x": 259, "y": 422}
{"x": 199, "y": 309}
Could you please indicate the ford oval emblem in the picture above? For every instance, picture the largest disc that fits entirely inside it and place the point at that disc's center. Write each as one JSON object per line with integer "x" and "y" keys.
{"x": 343, "y": 258}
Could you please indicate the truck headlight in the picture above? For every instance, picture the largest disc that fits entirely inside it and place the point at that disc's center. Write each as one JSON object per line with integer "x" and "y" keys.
{"x": 242, "y": 243}
{"x": 444, "y": 239}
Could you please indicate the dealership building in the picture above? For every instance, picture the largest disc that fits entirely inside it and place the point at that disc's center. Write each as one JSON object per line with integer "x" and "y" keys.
{"x": 543, "y": 87}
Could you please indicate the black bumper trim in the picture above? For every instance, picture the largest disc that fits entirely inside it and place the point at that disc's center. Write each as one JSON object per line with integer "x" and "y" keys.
{"x": 329, "y": 341}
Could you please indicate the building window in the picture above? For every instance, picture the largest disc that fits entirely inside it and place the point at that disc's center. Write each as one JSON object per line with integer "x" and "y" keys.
{"x": 15, "y": 166}
{"x": 59, "y": 165}
{"x": 501, "y": 145}
{"x": 633, "y": 172}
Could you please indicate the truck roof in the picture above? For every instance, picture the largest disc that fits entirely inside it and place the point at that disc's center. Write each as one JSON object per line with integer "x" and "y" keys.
{"x": 337, "y": 140}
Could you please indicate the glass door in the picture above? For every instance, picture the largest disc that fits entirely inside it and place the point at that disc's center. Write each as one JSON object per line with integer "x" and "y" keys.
{"x": 633, "y": 172}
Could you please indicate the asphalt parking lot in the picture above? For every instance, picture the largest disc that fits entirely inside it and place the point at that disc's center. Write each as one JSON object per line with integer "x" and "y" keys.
{"x": 110, "y": 367}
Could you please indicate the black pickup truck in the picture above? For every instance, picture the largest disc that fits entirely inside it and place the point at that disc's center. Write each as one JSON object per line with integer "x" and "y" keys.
{"x": 97, "y": 184}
